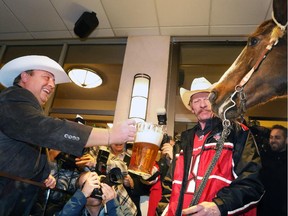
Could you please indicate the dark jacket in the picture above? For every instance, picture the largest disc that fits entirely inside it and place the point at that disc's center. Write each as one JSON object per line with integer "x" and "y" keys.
{"x": 274, "y": 177}
{"x": 76, "y": 207}
{"x": 247, "y": 187}
{"x": 25, "y": 132}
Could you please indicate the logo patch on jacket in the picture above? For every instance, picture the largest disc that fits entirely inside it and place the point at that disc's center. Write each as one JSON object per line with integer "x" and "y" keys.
{"x": 217, "y": 136}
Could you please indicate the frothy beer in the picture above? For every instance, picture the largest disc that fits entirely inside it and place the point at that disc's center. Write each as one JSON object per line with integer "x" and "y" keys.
{"x": 145, "y": 148}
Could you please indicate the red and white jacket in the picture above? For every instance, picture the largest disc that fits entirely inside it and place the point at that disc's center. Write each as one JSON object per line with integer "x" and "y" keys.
{"x": 233, "y": 184}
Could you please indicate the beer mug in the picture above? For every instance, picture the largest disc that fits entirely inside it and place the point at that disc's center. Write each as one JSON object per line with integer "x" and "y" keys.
{"x": 145, "y": 148}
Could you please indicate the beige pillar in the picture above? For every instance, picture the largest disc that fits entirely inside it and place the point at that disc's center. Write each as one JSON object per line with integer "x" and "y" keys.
{"x": 149, "y": 55}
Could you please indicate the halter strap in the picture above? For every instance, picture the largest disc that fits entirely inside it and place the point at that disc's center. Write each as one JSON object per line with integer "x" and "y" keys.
{"x": 239, "y": 88}
{"x": 263, "y": 55}
{"x": 282, "y": 27}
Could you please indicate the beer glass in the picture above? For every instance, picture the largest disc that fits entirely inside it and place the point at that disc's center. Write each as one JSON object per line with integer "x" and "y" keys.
{"x": 145, "y": 148}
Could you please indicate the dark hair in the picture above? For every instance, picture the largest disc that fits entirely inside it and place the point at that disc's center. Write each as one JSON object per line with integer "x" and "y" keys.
{"x": 280, "y": 127}
{"x": 18, "y": 78}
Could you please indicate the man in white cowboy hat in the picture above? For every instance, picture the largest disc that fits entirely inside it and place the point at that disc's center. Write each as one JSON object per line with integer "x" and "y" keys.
{"x": 233, "y": 185}
{"x": 25, "y": 131}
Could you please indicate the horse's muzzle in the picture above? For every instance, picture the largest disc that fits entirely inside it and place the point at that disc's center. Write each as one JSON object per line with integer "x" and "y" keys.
{"x": 212, "y": 97}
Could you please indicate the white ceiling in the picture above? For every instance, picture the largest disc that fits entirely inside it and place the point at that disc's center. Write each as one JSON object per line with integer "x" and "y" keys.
{"x": 54, "y": 19}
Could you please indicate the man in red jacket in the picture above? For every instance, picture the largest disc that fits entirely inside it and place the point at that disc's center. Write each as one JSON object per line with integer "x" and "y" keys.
{"x": 233, "y": 186}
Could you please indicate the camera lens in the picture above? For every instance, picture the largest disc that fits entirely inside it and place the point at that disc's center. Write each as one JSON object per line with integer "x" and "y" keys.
{"x": 97, "y": 193}
{"x": 115, "y": 176}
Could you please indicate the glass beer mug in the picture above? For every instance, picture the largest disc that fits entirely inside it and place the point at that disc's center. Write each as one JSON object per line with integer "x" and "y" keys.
{"x": 147, "y": 141}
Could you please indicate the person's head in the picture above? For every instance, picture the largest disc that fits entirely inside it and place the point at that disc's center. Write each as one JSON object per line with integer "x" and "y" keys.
{"x": 196, "y": 100}
{"x": 80, "y": 182}
{"x": 117, "y": 149}
{"x": 278, "y": 138}
{"x": 38, "y": 74}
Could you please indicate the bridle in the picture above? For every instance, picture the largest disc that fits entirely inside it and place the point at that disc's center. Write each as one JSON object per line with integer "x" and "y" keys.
{"x": 240, "y": 87}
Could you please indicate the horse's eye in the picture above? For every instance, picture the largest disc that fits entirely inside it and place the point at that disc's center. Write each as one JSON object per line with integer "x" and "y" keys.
{"x": 252, "y": 41}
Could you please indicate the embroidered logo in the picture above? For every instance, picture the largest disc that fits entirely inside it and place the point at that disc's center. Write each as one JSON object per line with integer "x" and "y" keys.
{"x": 200, "y": 138}
{"x": 217, "y": 136}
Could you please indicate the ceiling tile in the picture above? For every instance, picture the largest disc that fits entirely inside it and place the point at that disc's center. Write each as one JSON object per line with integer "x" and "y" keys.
{"x": 120, "y": 32}
{"x": 246, "y": 12}
{"x": 243, "y": 30}
{"x": 131, "y": 13}
{"x": 51, "y": 35}
{"x": 8, "y": 22}
{"x": 185, "y": 31}
{"x": 183, "y": 12}
{"x": 36, "y": 15}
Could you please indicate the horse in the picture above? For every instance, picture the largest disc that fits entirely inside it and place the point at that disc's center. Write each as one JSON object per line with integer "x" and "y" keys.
{"x": 259, "y": 73}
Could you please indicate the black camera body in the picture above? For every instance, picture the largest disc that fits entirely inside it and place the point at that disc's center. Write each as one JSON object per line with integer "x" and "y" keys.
{"x": 166, "y": 139}
{"x": 66, "y": 161}
{"x": 101, "y": 163}
{"x": 114, "y": 177}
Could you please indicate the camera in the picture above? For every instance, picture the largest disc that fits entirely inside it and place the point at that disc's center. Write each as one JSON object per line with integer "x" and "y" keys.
{"x": 114, "y": 177}
{"x": 66, "y": 161}
{"x": 101, "y": 163}
{"x": 166, "y": 139}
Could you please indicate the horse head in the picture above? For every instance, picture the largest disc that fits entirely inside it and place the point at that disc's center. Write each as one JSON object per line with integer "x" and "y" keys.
{"x": 259, "y": 73}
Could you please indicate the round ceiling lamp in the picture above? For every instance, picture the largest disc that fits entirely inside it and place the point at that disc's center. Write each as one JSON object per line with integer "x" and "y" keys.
{"x": 85, "y": 78}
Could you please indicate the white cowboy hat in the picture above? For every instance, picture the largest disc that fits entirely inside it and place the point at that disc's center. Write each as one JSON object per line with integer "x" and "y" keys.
{"x": 198, "y": 85}
{"x": 31, "y": 62}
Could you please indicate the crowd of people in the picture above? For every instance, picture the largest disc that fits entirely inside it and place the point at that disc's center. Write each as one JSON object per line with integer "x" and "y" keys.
{"x": 50, "y": 166}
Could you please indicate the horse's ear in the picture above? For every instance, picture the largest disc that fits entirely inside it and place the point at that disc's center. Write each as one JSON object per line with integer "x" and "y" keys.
{"x": 280, "y": 11}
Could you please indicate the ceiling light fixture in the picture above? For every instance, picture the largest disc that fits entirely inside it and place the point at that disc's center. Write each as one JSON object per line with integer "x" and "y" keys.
{"x": 85, "y": 78}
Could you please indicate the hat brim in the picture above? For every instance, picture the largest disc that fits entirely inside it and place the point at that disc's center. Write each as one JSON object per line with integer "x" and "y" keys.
{"x": 186, "y": 95}
{"x": 13, "y": 68}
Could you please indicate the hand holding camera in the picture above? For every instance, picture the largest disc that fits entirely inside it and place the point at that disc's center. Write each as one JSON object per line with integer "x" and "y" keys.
{"x": 167, "y": 149}
{"x": 92, "y": 185}
{"x": 91, "y": 182}
{"x": 109, "y": 192}
{"x": 128, "y": 182}
{"x": 114, "y": 177}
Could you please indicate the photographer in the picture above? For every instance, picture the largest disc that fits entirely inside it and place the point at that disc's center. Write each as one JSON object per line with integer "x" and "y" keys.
{"x": 66, "y": 170}
{"x": 108, "y": 159}
{"x": 83, "y": 203}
